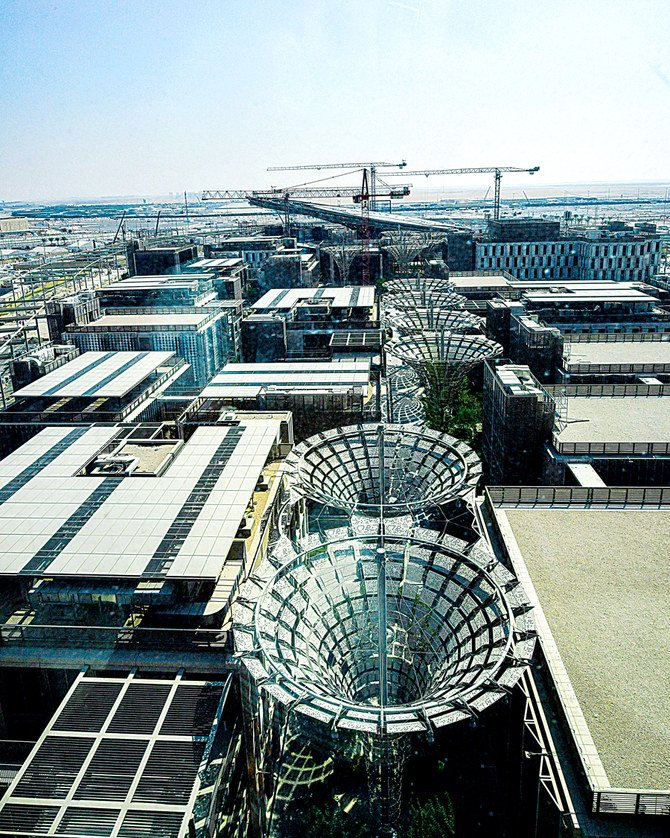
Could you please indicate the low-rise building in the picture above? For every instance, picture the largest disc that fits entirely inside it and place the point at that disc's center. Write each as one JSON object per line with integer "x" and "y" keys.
{"x": 591, "y": 560}
{"x": 320, "y": 395}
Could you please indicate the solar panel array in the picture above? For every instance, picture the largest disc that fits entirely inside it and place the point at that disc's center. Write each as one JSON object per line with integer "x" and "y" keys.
{"x": 121, "y": 756}
{"x": 97, "y": 375}
{"x": 178, "y": 525}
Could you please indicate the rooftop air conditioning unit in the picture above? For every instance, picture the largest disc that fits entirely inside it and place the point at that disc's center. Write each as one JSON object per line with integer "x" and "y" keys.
{"x": 118, "y": 465}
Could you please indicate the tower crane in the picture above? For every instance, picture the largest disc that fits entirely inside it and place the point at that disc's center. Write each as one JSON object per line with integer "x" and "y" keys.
{"x": 286, "y": 193}
{"x": 496, "y": 171}
{"x": 371, "y": 167}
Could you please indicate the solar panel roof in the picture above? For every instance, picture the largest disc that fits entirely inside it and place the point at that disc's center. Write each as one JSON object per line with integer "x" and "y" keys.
{"x": 180, "y": 524}
{"x": 97, "y": 375}
{"x": 121, "y": 756}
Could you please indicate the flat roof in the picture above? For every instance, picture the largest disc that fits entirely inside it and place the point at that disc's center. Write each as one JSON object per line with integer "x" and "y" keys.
{"x": 618, "y": 352}
{"x": 617, "y": 419}
{"x": 135, "y": 283}
{"x": 180, "y": 525}
{"x": 479, "y": 281}
{"x": 605, "y": 296}
{"x": 346, "y": 297}
{"x": 97, "y": 375}
{"x": 601, "y": 579}
{"x": 118, "y": 321}
{"x": 237, "y": 380}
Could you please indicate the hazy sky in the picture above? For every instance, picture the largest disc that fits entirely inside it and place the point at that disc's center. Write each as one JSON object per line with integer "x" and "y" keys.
{"x": 113, "y": 97}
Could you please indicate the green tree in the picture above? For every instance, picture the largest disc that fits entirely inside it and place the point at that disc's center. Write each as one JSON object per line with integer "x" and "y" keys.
{"x": 434, "y": 818}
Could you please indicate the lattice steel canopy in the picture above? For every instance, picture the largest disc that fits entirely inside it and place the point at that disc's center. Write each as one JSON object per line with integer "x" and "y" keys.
{"x": 458, "y": 632}
{"x": 442, "y": 350}
{"x": 422, "y": 292}
{"x": 433, "y": 319}
{"x": 364, "y": 467}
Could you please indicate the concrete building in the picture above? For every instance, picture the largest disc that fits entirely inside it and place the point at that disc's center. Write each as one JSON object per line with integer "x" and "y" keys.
{"x": 75, "y": 310}
{"x": 310, "y": 318}
{"x": 534, "y": 433}
{"x": 96, "y": 387}
{"x": 253, "y": 249}
{"x": 636, "y": 258}
{"x": 616, "y": 359}
{"x": 164, "y": 291}
{"x": 592, "y": 561}
{"x": 195, "y": 336}
{"x": 517, "y": 420}
{"x": 231, "y": 275}
{"x": 320, "y": 395}
{"x": 159, "y": 260}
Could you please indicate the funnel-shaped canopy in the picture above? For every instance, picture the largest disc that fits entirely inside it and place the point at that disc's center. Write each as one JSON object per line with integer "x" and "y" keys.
{"x": 457, "y": 633}
{"x": 433, "y": 319}
{"x": 449, "y": 352}
{"x": 365, "y": 467}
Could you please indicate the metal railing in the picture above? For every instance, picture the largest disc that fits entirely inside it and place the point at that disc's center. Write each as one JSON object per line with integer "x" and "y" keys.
{"x": 631, "y": 496}
{"x": 628, "y": 802}
{"x": 617, "y": 337}
{"x": 612, "y": 449}
{"x": 584, "y": 367}
{"x": 113, "y": 637}
{"x": 605, "y": 390}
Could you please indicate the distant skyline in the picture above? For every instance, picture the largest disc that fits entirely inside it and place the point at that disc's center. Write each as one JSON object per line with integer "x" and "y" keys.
{"x": 104, "y": 98}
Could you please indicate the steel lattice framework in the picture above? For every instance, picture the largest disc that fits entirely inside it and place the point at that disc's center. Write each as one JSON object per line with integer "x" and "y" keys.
{"x": 409, "y": 293}
{"x": 406, "y": 321}
{"x": 458, "y": 628}
{"x": 343, "y": 468}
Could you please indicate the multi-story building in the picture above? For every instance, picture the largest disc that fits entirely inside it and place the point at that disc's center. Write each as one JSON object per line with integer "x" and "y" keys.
{"x": 320, "y": 395}
{"x": 306, "y": 319}
{"x": 96, "y": 387}
{"x": 193, "y": 334}
{"x": 604, "y": 433}
{"x": 591, "y": 559}
{"x": 159, "y": 260}
{"x": 635, "y": 258}
{"x": 517, "y": 419}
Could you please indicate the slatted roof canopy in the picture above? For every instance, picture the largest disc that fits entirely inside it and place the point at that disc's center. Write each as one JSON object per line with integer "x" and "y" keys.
{"x": 121, "y": 757}
{"x": 54, "y": 522}
{"x": 97, "y": 375}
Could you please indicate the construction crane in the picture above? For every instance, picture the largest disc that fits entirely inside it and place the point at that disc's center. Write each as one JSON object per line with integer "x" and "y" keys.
{"x": 371, "y": 167}
{"x": 496, "y": 171}
{"x": 286, "y": 193}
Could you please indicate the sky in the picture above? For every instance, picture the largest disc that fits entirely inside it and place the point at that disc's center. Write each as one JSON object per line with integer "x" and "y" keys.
{"x": 147, "y": 97}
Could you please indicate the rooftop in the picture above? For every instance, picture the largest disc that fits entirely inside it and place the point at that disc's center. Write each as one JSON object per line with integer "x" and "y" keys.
{"x": 111, "y": 739}
{"x": 348, "y": 297}
{"x": 236, "y": 380}
{"x": 602, "y": 581}
{"x": 57, "y": 522}
{"x": 148, "y": 283}
{"x": 97, "y": 375}
{"x": 618, "y": 352}
{"x": 614, "y": 419}
{"x": 120, "y": 321}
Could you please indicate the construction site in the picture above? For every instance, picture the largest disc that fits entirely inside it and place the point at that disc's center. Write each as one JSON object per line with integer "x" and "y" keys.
{"x": 273, "y": 491}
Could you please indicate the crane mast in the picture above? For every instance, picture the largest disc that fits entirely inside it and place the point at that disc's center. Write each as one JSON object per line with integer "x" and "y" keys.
{"x": 371, "y": 167}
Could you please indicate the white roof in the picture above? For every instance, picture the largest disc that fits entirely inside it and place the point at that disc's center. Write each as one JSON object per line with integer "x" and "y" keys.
{"x": 97, "y": 375}
{"x": 286, "y": 298}
{"x": 118, "y": 321}
{"x": 238, "y": 380}
{"x": 179, "y": 525}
